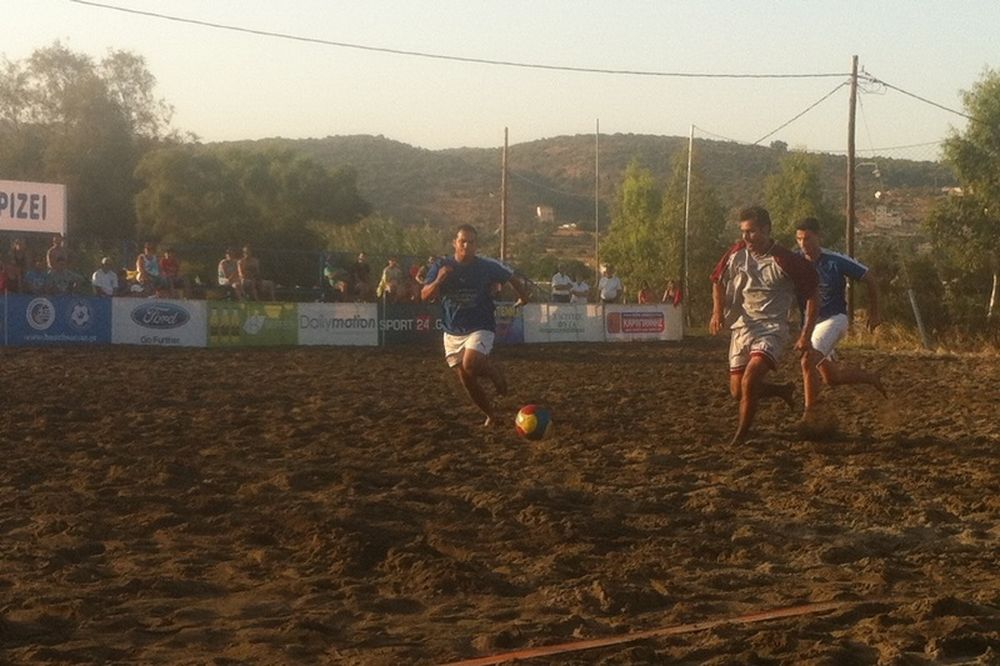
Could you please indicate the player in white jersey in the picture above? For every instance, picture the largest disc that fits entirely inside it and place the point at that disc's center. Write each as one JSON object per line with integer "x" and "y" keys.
{"x": 754, "y": 287}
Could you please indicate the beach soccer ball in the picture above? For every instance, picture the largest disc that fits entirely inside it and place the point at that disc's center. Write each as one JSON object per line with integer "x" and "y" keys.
{"x": 534, "y": 422}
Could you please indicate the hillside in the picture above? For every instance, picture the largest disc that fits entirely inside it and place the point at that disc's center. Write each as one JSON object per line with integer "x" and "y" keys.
{"x": 449, "y": 187}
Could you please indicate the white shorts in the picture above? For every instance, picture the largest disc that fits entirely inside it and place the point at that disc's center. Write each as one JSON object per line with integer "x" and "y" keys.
{"x": 455, "y": 345}
{"x": 765, "y": 340}
{"x": 827, "y": 334}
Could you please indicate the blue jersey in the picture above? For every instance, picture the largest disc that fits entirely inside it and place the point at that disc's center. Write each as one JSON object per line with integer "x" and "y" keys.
{"x": 833, "y": 269}
{"x": 467, "y": 293}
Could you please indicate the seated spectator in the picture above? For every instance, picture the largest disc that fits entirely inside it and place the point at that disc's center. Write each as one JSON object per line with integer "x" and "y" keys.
{"x": 672, "y": 294}
{"x": 422, "y": 273}
{"x": 335, "y": 282}
{"x": 253, "y": 285}
{"x": 105, "y": 279}
{"x": 229, "y": 275}
{"x": 580, "y": 292}
{"x": 391, "y": 285}
{"x": 19, "y": 262}
{"x": 63, "y": 281}
{"x": 170, "y": 270}
{"x": 36, "y": 278}
{"x": 562, "y": 285}
{"x": 147, "y": 271}
{"x": 645, "y": 295}
{"x": 361, "y": 278}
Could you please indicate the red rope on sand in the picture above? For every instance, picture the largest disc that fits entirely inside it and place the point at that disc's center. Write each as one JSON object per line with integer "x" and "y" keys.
{"x": 577, "y": 646}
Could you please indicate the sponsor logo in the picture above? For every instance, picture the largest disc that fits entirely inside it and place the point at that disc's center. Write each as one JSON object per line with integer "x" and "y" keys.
{"x": 636, "y": 322}
{"x": 41, "y": 314}
{"x": 322, "y": 323}
{"x": 81, "y": 317}
{"x": 160, "y": 315}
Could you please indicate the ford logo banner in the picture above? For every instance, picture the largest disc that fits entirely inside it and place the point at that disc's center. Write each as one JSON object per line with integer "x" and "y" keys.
{"x": 160, "y": 315}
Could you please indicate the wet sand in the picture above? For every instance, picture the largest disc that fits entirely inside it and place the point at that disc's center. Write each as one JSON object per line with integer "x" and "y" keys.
{"x": 343, "y": 505}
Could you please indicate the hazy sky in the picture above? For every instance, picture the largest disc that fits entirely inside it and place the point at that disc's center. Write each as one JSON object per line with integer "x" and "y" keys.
{"x": 226, "y": 85}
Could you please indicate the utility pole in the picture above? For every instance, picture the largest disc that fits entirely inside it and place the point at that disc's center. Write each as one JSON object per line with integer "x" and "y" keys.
{"x": 597, "y": 201}
{"x": 503, "y": 201}
{"x": 685, "y": 291}
{"x": 849, "y": 234}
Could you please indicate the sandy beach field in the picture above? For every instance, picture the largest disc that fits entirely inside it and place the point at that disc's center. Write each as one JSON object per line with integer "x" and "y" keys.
{"x": 343, "y": 505}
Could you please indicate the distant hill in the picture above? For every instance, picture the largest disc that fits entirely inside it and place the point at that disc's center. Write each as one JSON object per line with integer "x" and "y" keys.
{"x": 452, "y": 186}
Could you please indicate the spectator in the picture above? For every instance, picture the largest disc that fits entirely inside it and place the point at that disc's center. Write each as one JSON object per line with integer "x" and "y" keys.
{"x": 170, "y": 270}
{"x": 391, "y": 283}
{"x": 57, "y": 257}
{"x": 36, "y": 278}
{"x": 105, "y": 279}
{"x": 580, "y": 293}
{"x": 672, "y": 294}
{"x": 562, "y": 285}
{"x": 229, "y": 275}
{"x": 18, "y": 264}
{"x": 361, "y": 276}
{"x": 147, "y": 271}
{"x": 335, "y": 282}
{"x": 422, "y": 273}
{"x": 645, "y": 295}
{"x": 62, "y": 281}
{"x": 253, "y": 285}
{"x": 610, "y": 287}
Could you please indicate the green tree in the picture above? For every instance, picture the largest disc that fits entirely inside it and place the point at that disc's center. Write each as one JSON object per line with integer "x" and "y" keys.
{"x": 795, "y": 192}
{"x": 974, "y": 154}
{"x": 65, "y": 118}
{"x": 637, "y": 242}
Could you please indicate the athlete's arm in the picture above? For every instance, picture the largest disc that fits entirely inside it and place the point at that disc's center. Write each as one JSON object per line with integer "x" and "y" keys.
{"x": 521, "y": 289}
{"x": 718, "y": 308}
{"x": 803, "y": 345}
{"x": 430, "y": 290}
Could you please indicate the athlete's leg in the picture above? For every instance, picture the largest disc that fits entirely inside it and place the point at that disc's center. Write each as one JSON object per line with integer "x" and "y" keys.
{"x": 751, "y": 392}
{"x": 475, "y": 365}
{"x": 835, "y": 373}
{"x": 811, "y": 378}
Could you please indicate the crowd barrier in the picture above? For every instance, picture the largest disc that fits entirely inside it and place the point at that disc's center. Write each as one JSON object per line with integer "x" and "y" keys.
{"x": 69, "y": 320}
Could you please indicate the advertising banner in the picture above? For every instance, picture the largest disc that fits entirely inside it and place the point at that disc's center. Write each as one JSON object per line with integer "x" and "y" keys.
{"x": 510, "y": 324}
{"x": 233, "y": 324}
{"x": 337, "y": 324}
{"x": 58, "y": 320}
{"x": 32, "y": 207}
{"x": 410, "y": 323}
{"x": 168, "y": 323}
{"x": 625, "y": 323}
{"x": 563, "y": 322}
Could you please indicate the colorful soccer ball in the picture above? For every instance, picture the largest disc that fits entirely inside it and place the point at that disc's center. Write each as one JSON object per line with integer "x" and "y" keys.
{"x": 534, "y": 422}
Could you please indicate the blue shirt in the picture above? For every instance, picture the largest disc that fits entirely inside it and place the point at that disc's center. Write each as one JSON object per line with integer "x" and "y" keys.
{"x": 467, "y": 293}
{"x": 833, "y": 269}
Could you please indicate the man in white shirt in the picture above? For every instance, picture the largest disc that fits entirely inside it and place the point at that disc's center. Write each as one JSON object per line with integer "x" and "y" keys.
{"x": 562, "y": 285}
{"x": 610, "y": 287}
{"x": 105, "y": 279}
{"x": 580, "y": 293}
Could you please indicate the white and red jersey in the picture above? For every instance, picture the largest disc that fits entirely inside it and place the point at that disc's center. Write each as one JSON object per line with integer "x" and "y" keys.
{"x": 761, "y": 288}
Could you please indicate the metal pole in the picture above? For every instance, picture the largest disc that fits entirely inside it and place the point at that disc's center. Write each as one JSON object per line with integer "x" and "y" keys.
{"x": 850, "y": 179}
{"x": 503, "y": 201}
{"x": 685, "y": 291}
{"x": 597, "y": 201}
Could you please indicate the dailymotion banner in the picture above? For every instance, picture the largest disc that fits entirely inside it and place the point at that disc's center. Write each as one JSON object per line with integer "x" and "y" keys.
{"x": 338, "y": 324}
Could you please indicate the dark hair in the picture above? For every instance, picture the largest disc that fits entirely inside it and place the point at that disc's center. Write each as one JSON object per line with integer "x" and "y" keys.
{"x": 808, "y": 224}
{"x": 756, "y": 214}
{"x": 468, "y": 228}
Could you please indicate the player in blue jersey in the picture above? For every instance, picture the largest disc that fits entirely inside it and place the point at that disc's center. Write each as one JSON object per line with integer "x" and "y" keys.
{"x": 465, "y": 283}
{"x": 834, "y": 270}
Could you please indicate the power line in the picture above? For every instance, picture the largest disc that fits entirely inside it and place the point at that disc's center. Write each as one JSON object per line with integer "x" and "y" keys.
{"x": 438, "y": 56}
{"x": 546, "y": 187}
{"x": 804, "y": 112}
{"x": 873, "y": 79}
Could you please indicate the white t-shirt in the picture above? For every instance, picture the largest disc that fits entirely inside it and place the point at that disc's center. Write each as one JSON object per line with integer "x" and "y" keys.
{"x": 106, "y": 281}
{"x": 580, "y": 292}
{"x": 561, "y": 284}
{"x": 610, "y": 287}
